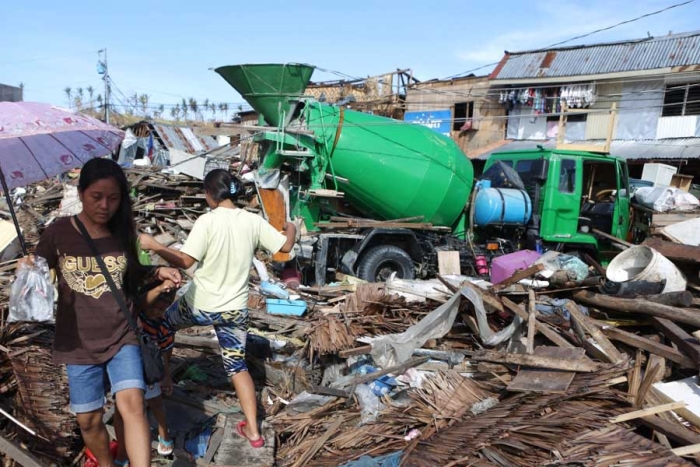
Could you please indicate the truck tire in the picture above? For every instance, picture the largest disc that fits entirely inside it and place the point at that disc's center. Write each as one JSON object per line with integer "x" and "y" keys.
{"x": 377, "y": 264}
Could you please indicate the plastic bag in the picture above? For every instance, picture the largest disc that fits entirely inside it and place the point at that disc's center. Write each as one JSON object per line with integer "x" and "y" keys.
{"x": 662, "y": 199}
{"x": 32, "y": 294}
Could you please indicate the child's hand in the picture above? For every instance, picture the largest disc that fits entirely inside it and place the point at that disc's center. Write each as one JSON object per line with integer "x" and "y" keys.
{"x": 167, "y": 286}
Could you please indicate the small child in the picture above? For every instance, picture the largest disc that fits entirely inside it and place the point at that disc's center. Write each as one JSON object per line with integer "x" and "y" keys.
{"x": 157, "y": 297}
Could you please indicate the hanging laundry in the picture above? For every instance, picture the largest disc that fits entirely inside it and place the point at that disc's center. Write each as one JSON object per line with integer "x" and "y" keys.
{"x": 579, "y": 96}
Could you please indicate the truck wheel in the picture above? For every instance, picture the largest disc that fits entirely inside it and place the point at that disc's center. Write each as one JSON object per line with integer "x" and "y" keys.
{"x": 380, "y": 262}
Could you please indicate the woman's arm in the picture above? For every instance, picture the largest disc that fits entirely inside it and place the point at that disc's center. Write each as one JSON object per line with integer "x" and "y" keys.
{"x": 172, "y": 256}
{"x": 290, "y": 231}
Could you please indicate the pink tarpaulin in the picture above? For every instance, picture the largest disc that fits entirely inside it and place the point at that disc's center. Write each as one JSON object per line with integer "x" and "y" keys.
{"x": 38, "y": 141}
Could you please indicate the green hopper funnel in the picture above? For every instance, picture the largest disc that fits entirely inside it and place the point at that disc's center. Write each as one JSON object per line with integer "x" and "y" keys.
{"x": 268, "y": 88}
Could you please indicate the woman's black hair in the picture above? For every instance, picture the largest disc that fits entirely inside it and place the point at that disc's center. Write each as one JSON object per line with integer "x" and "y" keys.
{"x": 221, "y": 185}
{"x": 121, "y": 225}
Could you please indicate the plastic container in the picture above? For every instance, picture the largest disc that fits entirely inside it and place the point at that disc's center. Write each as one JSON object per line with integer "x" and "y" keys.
{"x": 640, "y": 269}
{"x": 501, "y": 206}
{"x": 505, "y": 266}
{"x": 658, "y": 174}
{"x": 286, "y": 307}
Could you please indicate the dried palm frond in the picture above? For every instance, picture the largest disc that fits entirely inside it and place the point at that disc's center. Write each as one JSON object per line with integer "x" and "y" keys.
{"x": 42, "y": 401}
{"x": 615, "y": 446}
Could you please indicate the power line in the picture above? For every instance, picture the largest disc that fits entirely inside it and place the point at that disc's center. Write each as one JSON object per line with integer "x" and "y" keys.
{"x": 646, "y": 15}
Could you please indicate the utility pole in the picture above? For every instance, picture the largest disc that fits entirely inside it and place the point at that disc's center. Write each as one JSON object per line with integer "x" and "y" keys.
{"x": 104, "y": 71}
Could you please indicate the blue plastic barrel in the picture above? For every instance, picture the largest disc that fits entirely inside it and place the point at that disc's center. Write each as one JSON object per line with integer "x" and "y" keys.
{"x": 502, "y": 206}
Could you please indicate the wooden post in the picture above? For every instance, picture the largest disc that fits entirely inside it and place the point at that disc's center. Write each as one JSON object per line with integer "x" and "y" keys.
{"x": 608, "y": 348}
{"x": 561, "y": 130}
{"x": 611, "y": 126}
{"x": 531, "y": 322}
{"x": 628, "y": 305}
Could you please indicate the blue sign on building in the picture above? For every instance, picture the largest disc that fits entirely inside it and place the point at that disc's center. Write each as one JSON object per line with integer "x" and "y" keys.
{"x": 438, "y": 120}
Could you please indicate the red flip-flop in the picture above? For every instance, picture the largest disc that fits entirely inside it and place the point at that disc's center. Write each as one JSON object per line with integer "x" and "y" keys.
{"x": 258, "y": 443}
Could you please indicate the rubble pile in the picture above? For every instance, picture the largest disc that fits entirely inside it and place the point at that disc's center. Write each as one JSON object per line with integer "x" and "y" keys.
{"x": 562, "y": 362}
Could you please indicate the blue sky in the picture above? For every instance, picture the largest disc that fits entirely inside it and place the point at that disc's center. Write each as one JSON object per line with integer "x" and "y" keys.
{"x": 165, "y": 49}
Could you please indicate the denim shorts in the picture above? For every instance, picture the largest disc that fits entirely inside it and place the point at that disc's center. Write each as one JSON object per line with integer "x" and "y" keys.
{"x": 153, "y": 391}
{"x": 87, "y": 382}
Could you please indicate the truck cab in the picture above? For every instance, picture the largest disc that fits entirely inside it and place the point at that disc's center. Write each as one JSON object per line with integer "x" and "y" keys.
{"x": 572, "y": 193}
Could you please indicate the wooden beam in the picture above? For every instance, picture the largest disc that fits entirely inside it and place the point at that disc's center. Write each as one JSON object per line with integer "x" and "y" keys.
{"x": 608, "y": 348}
{"x": 627, "y": 305}
{"x": 639, "y": 342}
{"x": 583, "y": 366}
{"x": 17, "y": 453}
{"x": 541, "y": 327}
{"x": 675, "y": 431}
{"x": 686, "y": 450}
{"x": 520, "y": 275}
{"x": 648, "y": 411}
{"x": 685, "y": 342}
{"x": 398, "y": 369}
{"x": 531, "y": 323}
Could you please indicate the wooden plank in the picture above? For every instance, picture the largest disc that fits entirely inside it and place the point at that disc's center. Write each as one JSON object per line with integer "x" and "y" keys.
{"x": 520, "y": 275}
{"x": 639, "y": 342}
{"x": 686, "y": 343}
{"x": 583, "y": 366}
{"x": 547, "y": 381}
{"x": 686, "y": 450}
{"x": 608, "y": 348}
{"x": 675, "y": 431}
{"x": 397, "y": 369}
{"x": 674, "y": 251}
{"x": 531, "y": 323}
{"x": 19, "y": 454}
{"x": 648, "y": 411}
{"x": 318, "y": 445}
{"x": 214, "y": 442}
{"x": 364, "y": 350}
{"x": 541, "y": 327}
{"x": 275, "y": 209}
{"x": 627, "y": 305}
{"x": 327, "y": 391}
{"x": 448, "y": 263}
{"x": 611, "y": 238}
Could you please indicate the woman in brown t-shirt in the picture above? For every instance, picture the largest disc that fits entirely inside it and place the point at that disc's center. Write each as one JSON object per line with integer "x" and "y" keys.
{"x": 93, "y": 337}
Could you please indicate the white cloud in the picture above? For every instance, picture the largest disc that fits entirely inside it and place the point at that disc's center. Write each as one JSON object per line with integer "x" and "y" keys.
{"x": 559, "y": 20}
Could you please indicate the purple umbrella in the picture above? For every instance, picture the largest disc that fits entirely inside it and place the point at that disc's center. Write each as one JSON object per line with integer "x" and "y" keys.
{"x": 39, "y": 141}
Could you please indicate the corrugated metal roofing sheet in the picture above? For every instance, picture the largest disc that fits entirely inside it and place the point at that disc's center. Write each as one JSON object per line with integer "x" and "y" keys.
{"x": 675, "y": 148}
{"x": 662, "y": 52}
{"x": 184, "y": 139}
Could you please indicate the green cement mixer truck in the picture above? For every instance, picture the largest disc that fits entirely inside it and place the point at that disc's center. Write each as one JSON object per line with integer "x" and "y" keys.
{"x": 326, "y": 164}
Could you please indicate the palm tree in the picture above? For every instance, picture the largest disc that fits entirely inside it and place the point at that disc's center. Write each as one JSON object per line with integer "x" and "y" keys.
{"x": 91, "y": 92}
{"x": 78, "y": 99}
{"x": 161, "y": 110}
{"x": 143, "y": 99}
{"x": 212, "y": 107}
{"x": 225, "y": 110}
{"x": 206, "y": 105}
{"x": 221, "y": 107}
{"x": 184, "y": 109}
{"x": 99, "y": 101}
{"x": 69, "y": 94}
{"x": 194, "y": 107}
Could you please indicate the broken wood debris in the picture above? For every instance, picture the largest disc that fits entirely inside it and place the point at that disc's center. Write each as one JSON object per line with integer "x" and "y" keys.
{"x": 449, "y": 402}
